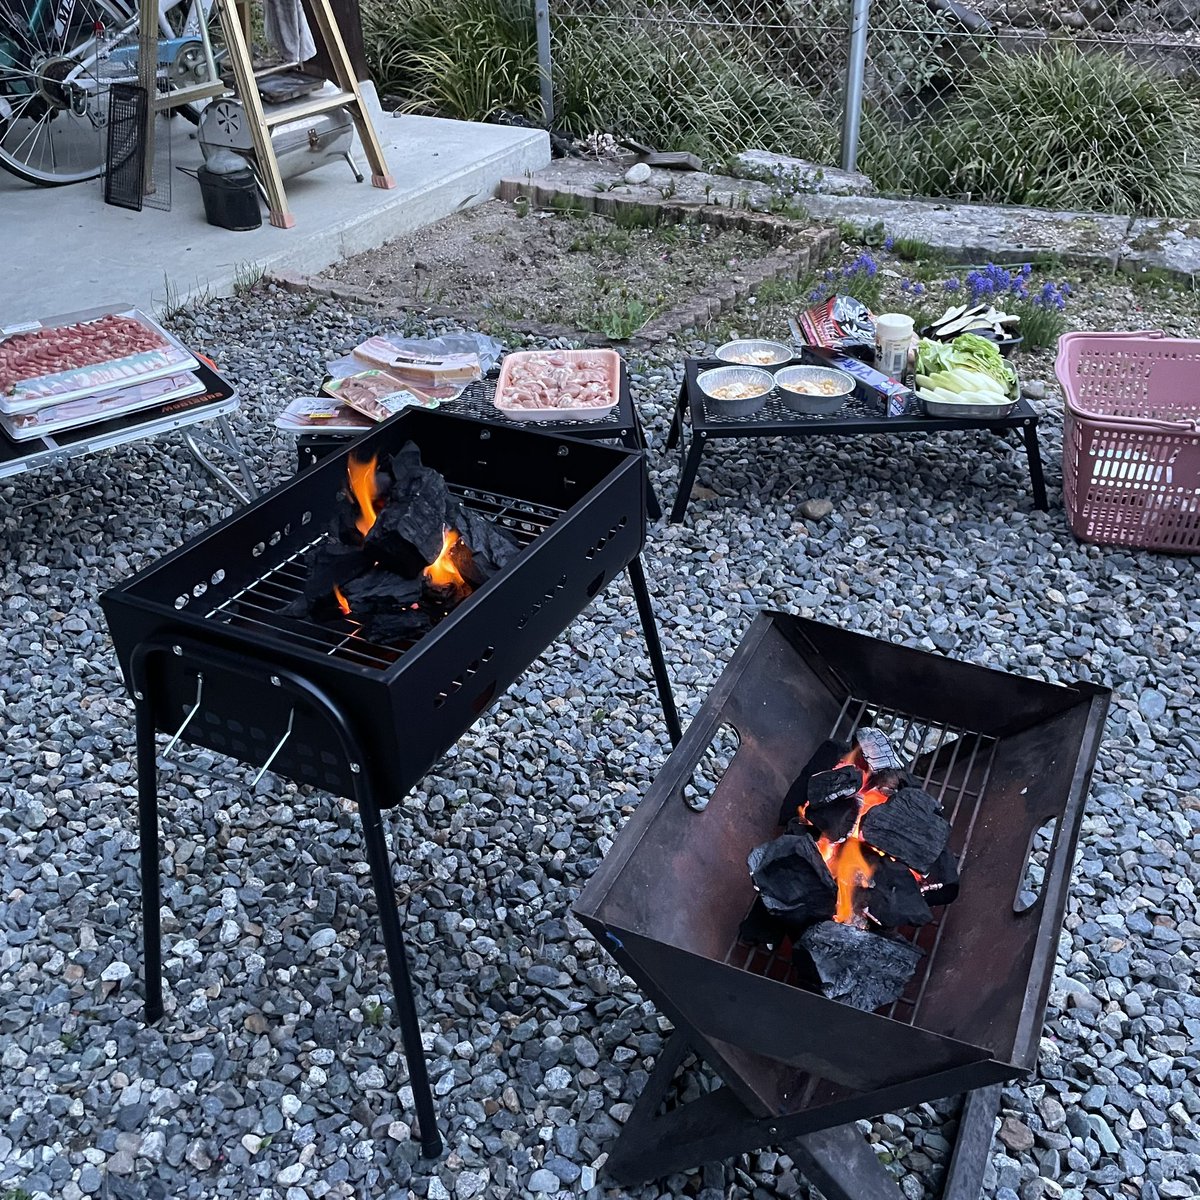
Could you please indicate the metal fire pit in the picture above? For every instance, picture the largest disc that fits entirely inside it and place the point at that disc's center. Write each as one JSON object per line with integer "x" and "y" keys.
{"x": 211, "y": 656}
{"x": 1004, "y": 754}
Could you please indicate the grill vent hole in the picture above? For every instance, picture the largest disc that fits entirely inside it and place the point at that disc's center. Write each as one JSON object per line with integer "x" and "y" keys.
{"x": 1029, "y": 890}
{"x": 711, "y": 768}
{"x": 200, "y": 589}
{"x": 217, "y": 576}
{"x": 258, "y": 549}
{"x": 181, "y": 601}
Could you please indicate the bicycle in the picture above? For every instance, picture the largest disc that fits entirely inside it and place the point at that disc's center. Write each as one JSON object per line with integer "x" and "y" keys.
{"x": 58, "y": 59}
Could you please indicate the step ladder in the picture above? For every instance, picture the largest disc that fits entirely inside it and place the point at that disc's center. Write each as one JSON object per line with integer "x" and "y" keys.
{"x": 263, "y": 119}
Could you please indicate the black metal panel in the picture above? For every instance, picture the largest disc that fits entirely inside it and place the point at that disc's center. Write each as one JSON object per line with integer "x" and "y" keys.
{"x": 668, "y": 900}
{"x": 410, "y": 706}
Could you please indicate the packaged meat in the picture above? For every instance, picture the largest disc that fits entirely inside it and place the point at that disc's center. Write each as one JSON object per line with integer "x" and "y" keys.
{"x": 54, "y": 361}
{"x": 559, "y": 385}
{"x": 377, "y": 394}
{"x": 312, "y": 414}
{"x": 99, "y": 406}
{"x": 410, "y": 366}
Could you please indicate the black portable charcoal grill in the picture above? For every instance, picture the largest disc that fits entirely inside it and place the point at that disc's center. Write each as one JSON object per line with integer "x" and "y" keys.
{"x": 210, "y": 654}
{"x": 1004, "y": 755}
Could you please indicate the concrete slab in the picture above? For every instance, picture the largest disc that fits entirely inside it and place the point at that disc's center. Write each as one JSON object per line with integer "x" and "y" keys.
{"x": 965, "y": 232}
{"x": 1168, "y": 247}
{"x": 65, "y": 249}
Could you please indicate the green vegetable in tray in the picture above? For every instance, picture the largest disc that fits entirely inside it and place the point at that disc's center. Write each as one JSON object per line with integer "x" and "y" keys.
{"x": 968, "y": 370}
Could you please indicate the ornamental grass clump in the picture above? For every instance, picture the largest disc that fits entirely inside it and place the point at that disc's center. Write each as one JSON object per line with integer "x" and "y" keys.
{"x": 1069, "y": 129}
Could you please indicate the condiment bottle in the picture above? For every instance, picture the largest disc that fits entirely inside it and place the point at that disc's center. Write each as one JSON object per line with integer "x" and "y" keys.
{"x": 893, "y": 340}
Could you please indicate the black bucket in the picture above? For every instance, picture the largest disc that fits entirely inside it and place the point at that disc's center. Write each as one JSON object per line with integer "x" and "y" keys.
{"x": 230, "y": 200}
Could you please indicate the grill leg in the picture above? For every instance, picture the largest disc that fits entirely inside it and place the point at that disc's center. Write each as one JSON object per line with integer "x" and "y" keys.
{"x": 641, "y": 593}
{"x": 842, "y": 1164}
{"x": 1033, "y": 452}
{"x": 404, "y": 1004}
{"x": 147, "y": 769}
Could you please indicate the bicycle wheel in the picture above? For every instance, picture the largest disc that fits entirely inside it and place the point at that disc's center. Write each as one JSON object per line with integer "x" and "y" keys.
{"x": 57, "y": 60}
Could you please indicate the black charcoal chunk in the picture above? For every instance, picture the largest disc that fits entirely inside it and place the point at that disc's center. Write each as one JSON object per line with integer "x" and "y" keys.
{"x": 380, "y": 591}
{"x": 491, "y": 546}
{"x": 834, "y": 818}
{"x": 761, "y": 927}
{"x": 894, "y": 898}
{"x": 332, "y": 563}
{"x": 408, "y": 533}
{"x": 863, "y": 969}
{"x": 834, "y": 785}
{"x": 909, "y": 827}
{"x": 792, "y": 878}
{"x": 940, "y": 885}
{"x": 824, "y": 758}
{"x": 876, "y": 750}
{"x": 388, "y": 628}
{"x": 891, "y": 780}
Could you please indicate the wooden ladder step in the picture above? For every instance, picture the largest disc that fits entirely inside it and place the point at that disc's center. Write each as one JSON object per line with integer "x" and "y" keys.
{"x": 310, "y": 106}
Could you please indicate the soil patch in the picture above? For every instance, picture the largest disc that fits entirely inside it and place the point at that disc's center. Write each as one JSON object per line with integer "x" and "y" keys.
{"x": 586, "y": 272}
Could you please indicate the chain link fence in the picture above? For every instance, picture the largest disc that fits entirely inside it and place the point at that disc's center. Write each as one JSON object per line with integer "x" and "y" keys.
{"x": 1081, "y": 104}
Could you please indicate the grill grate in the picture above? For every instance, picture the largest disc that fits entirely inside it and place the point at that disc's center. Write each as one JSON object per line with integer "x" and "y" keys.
{"x": 261, "y": 605}
{"x": 954, "y": 766}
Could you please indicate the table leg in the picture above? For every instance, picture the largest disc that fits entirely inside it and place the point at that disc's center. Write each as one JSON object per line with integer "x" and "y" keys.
{"x": 676, "y": 431}
{"x": 686, "y": 478}
{"x": 1033, "y": 452}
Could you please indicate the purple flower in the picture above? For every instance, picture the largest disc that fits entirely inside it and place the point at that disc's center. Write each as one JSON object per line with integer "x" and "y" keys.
{"x": 951, "y": 285}
{"x": 905, "y": 285}
{"x": 888, "y": 242}
{"x": 917, "y": 289}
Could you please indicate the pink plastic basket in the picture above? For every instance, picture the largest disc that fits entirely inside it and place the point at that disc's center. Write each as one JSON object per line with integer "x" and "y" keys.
{"x": 1131, "y": 439}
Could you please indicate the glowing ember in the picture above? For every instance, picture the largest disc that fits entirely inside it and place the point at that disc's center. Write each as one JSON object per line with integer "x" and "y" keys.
{"x": 361, "y": 474}
{"x": 443, "y": 571}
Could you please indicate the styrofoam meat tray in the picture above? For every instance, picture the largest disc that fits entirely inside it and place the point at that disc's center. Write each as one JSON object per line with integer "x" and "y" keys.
{"x": 610, "y": 360}
{"x": 39, "y": 391}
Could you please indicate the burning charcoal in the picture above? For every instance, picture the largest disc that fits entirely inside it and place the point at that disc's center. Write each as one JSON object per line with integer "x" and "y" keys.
{"x": 333, "y": 563}
{"x": 940, "y": 885}
{"x": 824, "y": 758}
{"x": 407, "y": 535}
{"x": 491, "y": 546}
{"x": 865, "y": 970}
{"x": 835, "y": 818}
{"x": 380, "y": 591}
{"x": 762, "y": 927}
{"x": 793, "y": 879}
{"x": 876, "y": 750}
{"x": 834, "y": 785}
{"x": 895, "y": 898}
{"x": 909, "y": 827}
{"x": 386, "y": 628}
{"x": 891, "y": 780}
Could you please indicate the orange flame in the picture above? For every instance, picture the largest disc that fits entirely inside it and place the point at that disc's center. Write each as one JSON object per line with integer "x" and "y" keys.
{"x": 361, "y": 473}
{"x": 443, "y": 571}
{"x": 340, "y": 597}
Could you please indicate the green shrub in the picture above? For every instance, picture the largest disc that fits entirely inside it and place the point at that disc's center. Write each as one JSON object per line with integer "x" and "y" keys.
{"x": 1057, "y": 129}
{"x": 461, "y": 58}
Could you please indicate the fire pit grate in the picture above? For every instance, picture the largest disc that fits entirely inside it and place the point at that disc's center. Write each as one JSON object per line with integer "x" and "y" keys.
{"x": 263, "y": 603}
{"x": 933, "y": 752}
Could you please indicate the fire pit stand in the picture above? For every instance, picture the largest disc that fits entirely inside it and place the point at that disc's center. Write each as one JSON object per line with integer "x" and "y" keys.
{"x": 1009, "y": 761}
{"x": 213, "y": 652}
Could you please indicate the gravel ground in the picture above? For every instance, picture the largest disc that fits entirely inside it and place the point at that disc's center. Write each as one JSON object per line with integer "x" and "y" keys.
{"x": 272, "y": 1074}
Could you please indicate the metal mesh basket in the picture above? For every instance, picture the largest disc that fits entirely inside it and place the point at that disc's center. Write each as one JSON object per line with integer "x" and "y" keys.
{"x": 1131, "y": 439}
{"x": 125, "y": 162}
